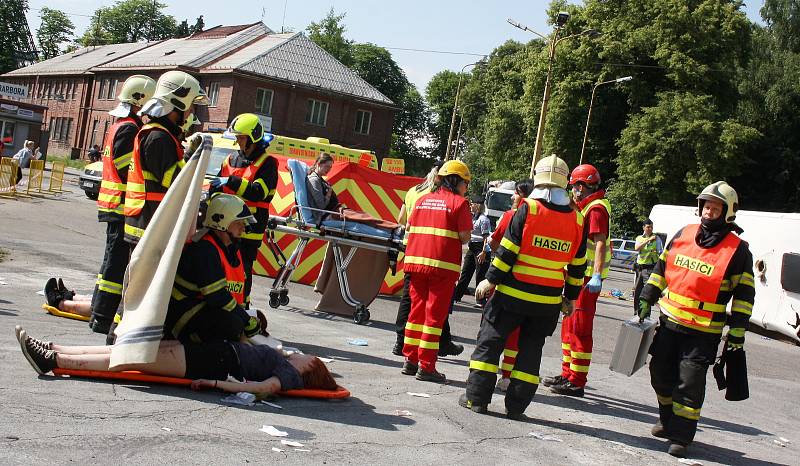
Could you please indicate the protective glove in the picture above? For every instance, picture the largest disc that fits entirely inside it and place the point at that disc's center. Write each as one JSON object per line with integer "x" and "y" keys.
{"x": 595, "y": 284}
{"x": 484, "y": 288}
{"x": 735, "y": 339}
{"x": 193, "y": 142}
{"x": 252, "y": 328}
{"x": 644, "y": 310}
{"x": 567, "y": 307}
{"x": 218, "y": 182}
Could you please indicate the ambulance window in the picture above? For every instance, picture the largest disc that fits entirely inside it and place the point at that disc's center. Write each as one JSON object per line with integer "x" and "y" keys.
{"x": 790, "y": 272}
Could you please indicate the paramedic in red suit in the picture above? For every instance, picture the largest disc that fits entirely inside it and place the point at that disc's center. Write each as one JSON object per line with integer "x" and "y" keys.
{"x": 438, "y": 227}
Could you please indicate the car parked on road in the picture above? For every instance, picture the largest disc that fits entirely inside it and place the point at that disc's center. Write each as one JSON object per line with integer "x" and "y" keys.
{"x": 90, "y": 179}
{"x": 623, "y": 254}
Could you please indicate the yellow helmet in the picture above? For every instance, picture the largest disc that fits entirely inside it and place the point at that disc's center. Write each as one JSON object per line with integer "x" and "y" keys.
{"x": 551, "y": 171}
{"x": 136, "y": 90}
{"x": 249, "y": 125}
{"x": 224, "y": 209}
{"x": 456, "y": 167}
{"x": 724, "y": 193}
{"x": 175, "y": 90}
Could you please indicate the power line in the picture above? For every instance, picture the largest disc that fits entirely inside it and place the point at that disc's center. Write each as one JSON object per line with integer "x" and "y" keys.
{"x": 66, "y": 13}
{"x": 437, "y": 51}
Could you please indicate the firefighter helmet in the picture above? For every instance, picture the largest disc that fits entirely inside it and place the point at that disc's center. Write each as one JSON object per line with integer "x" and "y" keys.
{"x": 224, "y": 209}
{"x": 724, "y": 193}
{"x": 249, "y": 125}
{"x": 585, "y": 174}
{"x": 551, "y": 171}
{"x": 175, "y": 90}
{"x": 456, "y": 167}
{"x": 136, "y": 90}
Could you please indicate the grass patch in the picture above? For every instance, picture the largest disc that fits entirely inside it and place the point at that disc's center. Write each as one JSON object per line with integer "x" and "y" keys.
{"x": 79, "y": 163}
{"x": 3, "y": 254}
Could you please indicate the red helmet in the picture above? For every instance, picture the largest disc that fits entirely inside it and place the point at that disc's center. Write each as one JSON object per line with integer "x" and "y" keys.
{"x": 585, "y": 173}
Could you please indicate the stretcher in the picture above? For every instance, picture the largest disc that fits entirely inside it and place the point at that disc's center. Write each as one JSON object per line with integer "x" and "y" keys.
{"x": 59, "y": 313}
{"x": 135, "y": 376}
{"x": 337, "y": 233}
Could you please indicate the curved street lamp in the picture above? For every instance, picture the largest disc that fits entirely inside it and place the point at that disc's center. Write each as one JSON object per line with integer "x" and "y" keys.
{"x": 591, "y": 105}
{"x": 460, "y": 122}
{"x": 455, "y": 107}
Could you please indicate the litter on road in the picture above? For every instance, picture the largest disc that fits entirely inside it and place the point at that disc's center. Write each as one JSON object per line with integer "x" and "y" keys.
{"x": 402, "y": 412}
{"x": 271, "y": 404}
{"x": 421, "y": 395}
{"x": 546, "y": 438}
{"x": 273, "y": 431}
{"x": 291, "y": 443}
{"x": 357, "y": 342}
{"x": 241, "y": 398}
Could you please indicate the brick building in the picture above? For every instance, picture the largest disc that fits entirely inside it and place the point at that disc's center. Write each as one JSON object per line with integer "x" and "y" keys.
{"x": 297, "y": 88}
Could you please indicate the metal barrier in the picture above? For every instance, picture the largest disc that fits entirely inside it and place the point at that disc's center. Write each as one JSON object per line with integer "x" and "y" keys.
{"x": 8, "y": 177}
{"x": 35, "y": 177}
{"x": 56, "y": 178}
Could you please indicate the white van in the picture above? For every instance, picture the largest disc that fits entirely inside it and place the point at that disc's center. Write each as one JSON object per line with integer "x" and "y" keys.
{"x": 775, "y": 244}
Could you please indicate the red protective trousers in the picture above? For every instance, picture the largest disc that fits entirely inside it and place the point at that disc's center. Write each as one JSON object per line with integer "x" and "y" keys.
{"x": 430, "y": 303}
{"x": 510, "y": 353}
{"x": 576, "y": 338}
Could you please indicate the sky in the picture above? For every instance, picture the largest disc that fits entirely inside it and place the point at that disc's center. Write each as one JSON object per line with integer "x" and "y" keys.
{"x": 466, "y": 29}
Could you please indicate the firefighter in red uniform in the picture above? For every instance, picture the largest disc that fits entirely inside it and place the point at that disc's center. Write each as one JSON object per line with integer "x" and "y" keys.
{"x": 703, "y": 267}
{"x": 207, "y": 302}
{"x": 530, "y": 289}
{"x": 252, "y": 175}
{"x": 117, "y": 153}
{"x": 437, "y": 228}
{"x": 576, "y": 329}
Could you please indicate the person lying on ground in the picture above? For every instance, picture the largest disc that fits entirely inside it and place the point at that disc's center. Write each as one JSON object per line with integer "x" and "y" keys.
{"x": 63, "y": 299}
{"x": 262, "y": 369}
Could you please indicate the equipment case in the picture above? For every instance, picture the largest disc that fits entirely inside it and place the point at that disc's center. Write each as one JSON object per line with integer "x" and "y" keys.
{"x": 633, "y": 343}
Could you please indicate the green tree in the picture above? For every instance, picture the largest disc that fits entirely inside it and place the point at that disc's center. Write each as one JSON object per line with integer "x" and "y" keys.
{"x": 329, "y": 34}
{"x": 182, "y": 30}
{"x": 55, "y": 29}
{"x": 441, "y": 95}
{"x": 129, "y": 21}
{"x": 16, "y": 48}
{"x": 199, "y": 25}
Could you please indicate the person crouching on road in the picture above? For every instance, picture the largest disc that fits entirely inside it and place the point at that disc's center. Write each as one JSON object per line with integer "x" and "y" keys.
{"x": 530, "y": 289}
{"x": 437, "y": 228}
{"x": 475, "y": 260}
{"x": 251, "y": 174}
{"x": 648, "y": 247}
{"x": 576, "y": 329}
{"x": 703, "y": 267}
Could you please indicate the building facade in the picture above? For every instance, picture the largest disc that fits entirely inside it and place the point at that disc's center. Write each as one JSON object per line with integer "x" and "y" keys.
{"x": 295, "y": 87}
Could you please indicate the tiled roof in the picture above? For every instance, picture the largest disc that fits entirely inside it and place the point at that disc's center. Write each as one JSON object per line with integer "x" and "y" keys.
{"x": 255, "y": 49}
{"x": 301, "y": 60}
{"x": 81, "y": 60}
{"x": 220, "y": 31}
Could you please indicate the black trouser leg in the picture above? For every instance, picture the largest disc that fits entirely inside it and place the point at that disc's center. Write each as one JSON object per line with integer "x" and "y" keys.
{"x": 467, "y": 269}
{"x": 108, "y": 289}
{"x": 525, "y": 376}
{"x": 497, "y": 324}
{"x": 642, "y": 275}
{"x": 249, "y": 250}
{"x": 664, "y": 371}
{"x": 404, "y": 308}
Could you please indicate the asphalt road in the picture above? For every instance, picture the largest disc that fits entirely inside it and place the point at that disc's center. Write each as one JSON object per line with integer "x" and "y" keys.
{"x": 54, "y": 421}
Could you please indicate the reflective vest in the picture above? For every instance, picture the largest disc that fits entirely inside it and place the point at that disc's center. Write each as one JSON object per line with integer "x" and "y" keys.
{"x": 590, "y": 245}
{"x": 694, "y": 278}
{"x": 648, "y": 254}
{"x": 112, "y": 189}
{"x": 136, "y": 194}
{"x": 433, "y": 242}
{"x": 248, "y": 173}
{"x": 550, "y": 240}
{"x": 234, "y": 275}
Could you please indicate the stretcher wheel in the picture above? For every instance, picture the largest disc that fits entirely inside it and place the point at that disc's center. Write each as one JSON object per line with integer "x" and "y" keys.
{"x": 361, "y": 316}
{"x": 272, "y": 224}
{"x": 283, "y": 300}
{"x": 274, "y": 300}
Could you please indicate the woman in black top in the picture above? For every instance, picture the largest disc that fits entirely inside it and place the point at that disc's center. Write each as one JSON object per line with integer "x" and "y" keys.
{"x": 260, "y": 368}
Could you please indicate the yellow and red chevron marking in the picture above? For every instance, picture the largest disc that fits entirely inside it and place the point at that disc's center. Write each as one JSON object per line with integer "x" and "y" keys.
{"x": 361, "y": 188}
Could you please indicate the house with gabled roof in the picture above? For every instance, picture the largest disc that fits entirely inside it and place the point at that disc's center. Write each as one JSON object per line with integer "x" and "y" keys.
{"x": 295, "y": 87}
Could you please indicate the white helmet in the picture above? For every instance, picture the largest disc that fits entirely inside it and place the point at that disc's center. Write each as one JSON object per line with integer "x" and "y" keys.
{"x": 175, "y": 90}
{"x": 136, "y": 90}
{"x": 551, "y": 171}
{"x": 724, "y": 193}
{"x": 224, "y": 209}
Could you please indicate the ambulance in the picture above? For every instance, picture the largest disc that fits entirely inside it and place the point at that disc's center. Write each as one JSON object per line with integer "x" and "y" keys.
{"x": 773, "y": 240}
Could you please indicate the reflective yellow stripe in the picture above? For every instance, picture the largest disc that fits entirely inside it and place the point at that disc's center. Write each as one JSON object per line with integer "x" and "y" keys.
{"x": 742, "y": 306}
{"x": 149, "y": 176}
{"x": 566, "y": 358}
{"x": 429, "y": 344}
{"x": 525, "y": 377}
{"x": 539, "y": 262}
{"x": 538, "y": 272}
{"x": 117, "y": 318}
{"x": 500, "y": 265}
{"x": 185, "y": 318}
{"x": 115, "y": 210}
{"x": 578, "y": 368}
{"x": 693, "y": 303}
{"x": 736, "y": 332}
{"x": 433, "y": 231}
{"x": 747, "y": 280}
{"x": 664, "y": 400}
{"x": 565, "y": 346}
{"x": 230, "y": 306}
{"x": 685, "y": 411}
{"x": 657, "y": 280}
{"x": 253, "y": 236}
{"x": 109, "y": 286}
{"x": 574, "y": 281}
{"x": 704, "y": 325}
{"x": 726, "y": 285}
{"x": 214, "y": 287}
{"x": 168, "y": 175}
{"x": 534, "y": 298}
{"x": 123, "y": 160}
{"x": 242, "y": 187}
{"x": 578, "y": 260}
{"x": 509, "y": 245}
{"x": 135, "y": 187}
{"x": 431, "y": 330}
{"x": 510, "y": 353}
{"x": 483, "y": 366}
{"x": 432, "y": 263}
{"x": 579, "y": 355}
{"x": 134, "y": 231}
{"x": 263, "y": 185}
{"x": 177, "y": 294}
{"x": 507, "y": 367}
{"x": 182, "y": 282}
{"x": 414, "y": 327}
{"x": 411, "y": 341}
{"x": 112, "y": 185}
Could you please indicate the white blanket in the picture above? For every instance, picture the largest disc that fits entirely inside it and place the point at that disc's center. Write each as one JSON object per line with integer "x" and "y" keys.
{"x": 151, "y": 272}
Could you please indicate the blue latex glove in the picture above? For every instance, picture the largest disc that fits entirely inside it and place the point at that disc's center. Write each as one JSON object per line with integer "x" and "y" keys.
{"x": 219, "y": 181}
{"x": 595, "y": 284}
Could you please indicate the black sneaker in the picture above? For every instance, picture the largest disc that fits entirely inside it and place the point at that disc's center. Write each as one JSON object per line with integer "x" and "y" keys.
{"x": 409, "y": 368}
{"x": 567, "y": 388}
{"x": 658, "y": 430}
{"x": 51, "y": 293}
{"x": 451, "y": 349}
{"x": 475, "y": 408}
{"x": 432, "y": 376}
{"x": 677, "y": 450}
{"x": 99, "y": 326}
{"x": 516, "y": 416}
{"x": 61, "y": 286}
{"x": 42, "y": 360}
{"x": 397, "y": 349}
{"x": 43, "y": 344}
{"x": 551, "y": 381}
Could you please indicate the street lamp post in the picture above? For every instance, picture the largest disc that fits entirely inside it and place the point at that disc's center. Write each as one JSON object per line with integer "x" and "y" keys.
{"x": 460, "y": 122}
{"x": 455, "y": 107}
{"x": 561, "y": 20}
{"x": 591, "y": 106}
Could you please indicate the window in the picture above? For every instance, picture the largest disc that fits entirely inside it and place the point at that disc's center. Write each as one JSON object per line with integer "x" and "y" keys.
{"x": 112, "y": 89}
{"x": 72, "y": 89}
{"x": 65, "y": 129}
{"x": 264, "y": 101}
{"x": 363, "y": 121}
{"x": 317, "y": 112}
{"x": 103, "y": 84}
{"x": 213, "y": 94}
{"x": 60, "y": 128}
{"x": 7, "y": 128}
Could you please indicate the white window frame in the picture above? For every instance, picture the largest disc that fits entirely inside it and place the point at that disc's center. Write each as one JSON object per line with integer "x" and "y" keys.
{"x": 359, "y": 126}
{"x": 260, "y": 107}
{"x": 317, "y": 112}
{"x": 212, "y": 91}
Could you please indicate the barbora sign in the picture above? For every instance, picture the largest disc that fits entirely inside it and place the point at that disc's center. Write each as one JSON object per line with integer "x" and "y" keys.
{"x": 13, "y": 90}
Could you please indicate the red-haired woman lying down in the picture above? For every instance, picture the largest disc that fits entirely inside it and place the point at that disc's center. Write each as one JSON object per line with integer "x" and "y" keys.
{"x": 264, "y": 369}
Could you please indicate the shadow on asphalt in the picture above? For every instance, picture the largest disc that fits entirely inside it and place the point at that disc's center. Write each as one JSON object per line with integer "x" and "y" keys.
{"x": 344, "y": 355}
